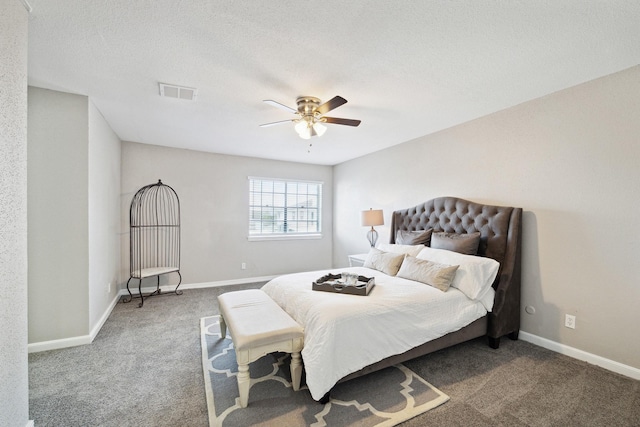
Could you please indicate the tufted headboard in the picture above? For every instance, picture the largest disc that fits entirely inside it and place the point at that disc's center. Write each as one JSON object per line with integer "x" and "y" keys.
{"x": 500, "y": 230}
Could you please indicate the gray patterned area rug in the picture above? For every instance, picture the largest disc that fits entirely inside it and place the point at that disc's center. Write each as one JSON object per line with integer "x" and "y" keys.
{"x": 384, "y": 398}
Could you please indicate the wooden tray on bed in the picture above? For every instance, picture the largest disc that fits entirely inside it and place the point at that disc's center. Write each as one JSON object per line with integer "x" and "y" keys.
{"x": 334, "y": 283}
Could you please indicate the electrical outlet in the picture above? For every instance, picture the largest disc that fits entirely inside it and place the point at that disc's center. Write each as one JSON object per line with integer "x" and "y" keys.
{"x": 109, "y": 287}
{"x": 244, "y": 265}
{"x": 570, "y": 321}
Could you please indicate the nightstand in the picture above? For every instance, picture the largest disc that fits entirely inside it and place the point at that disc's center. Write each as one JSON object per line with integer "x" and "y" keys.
{"x": 357, "y": 260}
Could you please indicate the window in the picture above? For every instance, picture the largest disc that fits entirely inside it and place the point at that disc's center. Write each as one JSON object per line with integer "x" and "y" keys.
{"x": 280, "y": 208}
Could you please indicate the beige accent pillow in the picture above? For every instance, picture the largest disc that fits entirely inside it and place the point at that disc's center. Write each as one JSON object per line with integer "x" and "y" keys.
{"x": 433, "y": 274}
{"x": 462, "y": 243}
{"x": 386, "y": 262}
{"x": 422, "y": 237}
{"x": 475, "y": 275}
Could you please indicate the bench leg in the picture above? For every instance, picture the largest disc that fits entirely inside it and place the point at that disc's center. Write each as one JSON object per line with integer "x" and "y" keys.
{"x": 244, "y": 381}
{"x": 296, "y": 370}
{"x": 223, "y": 327}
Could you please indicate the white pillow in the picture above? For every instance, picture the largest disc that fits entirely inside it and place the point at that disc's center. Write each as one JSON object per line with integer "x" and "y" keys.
{"x": 388, "y": 263}
{"x": 475, "y": 274}
{"x": 412, "y": 250}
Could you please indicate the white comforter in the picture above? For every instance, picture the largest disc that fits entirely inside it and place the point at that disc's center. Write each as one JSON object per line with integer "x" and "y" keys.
{"x": 344, "y": 333}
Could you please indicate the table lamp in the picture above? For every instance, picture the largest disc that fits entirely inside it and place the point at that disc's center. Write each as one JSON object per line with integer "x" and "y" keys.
{"x": 371, "y": 218}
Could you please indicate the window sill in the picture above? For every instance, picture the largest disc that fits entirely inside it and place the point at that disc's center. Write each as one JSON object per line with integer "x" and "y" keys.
{"x": 264, "y": 237}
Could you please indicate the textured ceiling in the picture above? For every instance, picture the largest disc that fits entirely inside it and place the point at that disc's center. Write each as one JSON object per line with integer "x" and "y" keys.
{"x": 407, "y": 68}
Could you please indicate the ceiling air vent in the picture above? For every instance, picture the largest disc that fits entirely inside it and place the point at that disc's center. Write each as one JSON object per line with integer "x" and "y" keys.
{"x": 180, "y": 92}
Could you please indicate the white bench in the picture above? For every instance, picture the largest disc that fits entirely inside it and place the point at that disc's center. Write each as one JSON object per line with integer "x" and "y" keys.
{"x": 258, "y": 326}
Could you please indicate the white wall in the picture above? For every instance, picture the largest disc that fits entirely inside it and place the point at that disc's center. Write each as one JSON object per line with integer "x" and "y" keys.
{"x": 58, "y": 215}
{"x": 14, "y": 383}
{"x": 570, "y": 159}
{"x": 104, "y": 216}
{"x": 213, "y": 191}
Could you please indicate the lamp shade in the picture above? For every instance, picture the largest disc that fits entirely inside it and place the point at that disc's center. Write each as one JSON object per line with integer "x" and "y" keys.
{"x": 372, "y": 217}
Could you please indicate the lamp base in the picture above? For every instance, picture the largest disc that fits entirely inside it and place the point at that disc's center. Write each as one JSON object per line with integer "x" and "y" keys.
{"x": 372, "y": 236}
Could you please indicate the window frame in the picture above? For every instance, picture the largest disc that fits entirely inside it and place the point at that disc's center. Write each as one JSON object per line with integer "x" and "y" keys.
{"x": 286, "y": 196}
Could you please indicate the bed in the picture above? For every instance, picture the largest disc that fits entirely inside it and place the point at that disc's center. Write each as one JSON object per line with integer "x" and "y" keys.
{"x": 348, "y": 336}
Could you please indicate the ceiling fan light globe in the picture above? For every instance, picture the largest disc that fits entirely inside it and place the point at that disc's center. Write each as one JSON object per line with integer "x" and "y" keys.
{"x": 305, "y": 135}
{"x": 319, "y": 128}
{"x": 301, "y": 127}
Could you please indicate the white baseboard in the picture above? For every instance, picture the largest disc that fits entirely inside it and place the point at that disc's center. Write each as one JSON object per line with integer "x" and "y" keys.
{"x": 74, "y": 341}
{"x": 61, "y": 343}
{"x": 30, "y": 424}
{"x": 104, "y": 317}
{"x": 27, "y": 6}
{"x": 228, "y": 282}
{"x": 611, "y": 365}
{"x": 171, "y": 288}
{"x": 88, "y": 339}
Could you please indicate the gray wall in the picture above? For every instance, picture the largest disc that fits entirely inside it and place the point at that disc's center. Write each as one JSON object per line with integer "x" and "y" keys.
{"x": 104, "y": 217}
{"x": 213, "y": 191}
{"x": 58, "y": 216}
{"x": 74, "y": 218}
{"x": 570, "y": 159}
{"x": 14, "y": 392}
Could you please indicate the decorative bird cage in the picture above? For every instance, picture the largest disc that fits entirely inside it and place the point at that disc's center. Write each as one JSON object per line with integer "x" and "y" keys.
{"x": 154, "y": 221}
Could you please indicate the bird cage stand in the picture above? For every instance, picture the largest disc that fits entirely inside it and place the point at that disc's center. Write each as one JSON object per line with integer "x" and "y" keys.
{"x": 154, "y": 225}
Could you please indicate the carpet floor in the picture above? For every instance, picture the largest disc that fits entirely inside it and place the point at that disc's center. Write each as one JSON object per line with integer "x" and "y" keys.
{"x": 144, "y": 369}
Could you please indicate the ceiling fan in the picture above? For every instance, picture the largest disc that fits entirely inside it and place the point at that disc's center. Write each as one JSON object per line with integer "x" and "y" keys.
{"x": 311, "y": 115}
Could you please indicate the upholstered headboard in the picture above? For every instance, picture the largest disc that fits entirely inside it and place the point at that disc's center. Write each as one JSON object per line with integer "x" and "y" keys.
{"x": 500, "y": 230}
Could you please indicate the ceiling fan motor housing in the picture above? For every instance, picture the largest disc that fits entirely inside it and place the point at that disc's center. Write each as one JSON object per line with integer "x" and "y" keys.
{"x": 307, "y": 105}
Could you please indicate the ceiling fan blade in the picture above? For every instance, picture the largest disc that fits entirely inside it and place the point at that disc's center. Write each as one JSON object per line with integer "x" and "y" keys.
{"x": 278, "y": 105}
{"x": 266, "y": 125}
{"x": 339, "y": 121}
{"x": 334, "y": 102}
